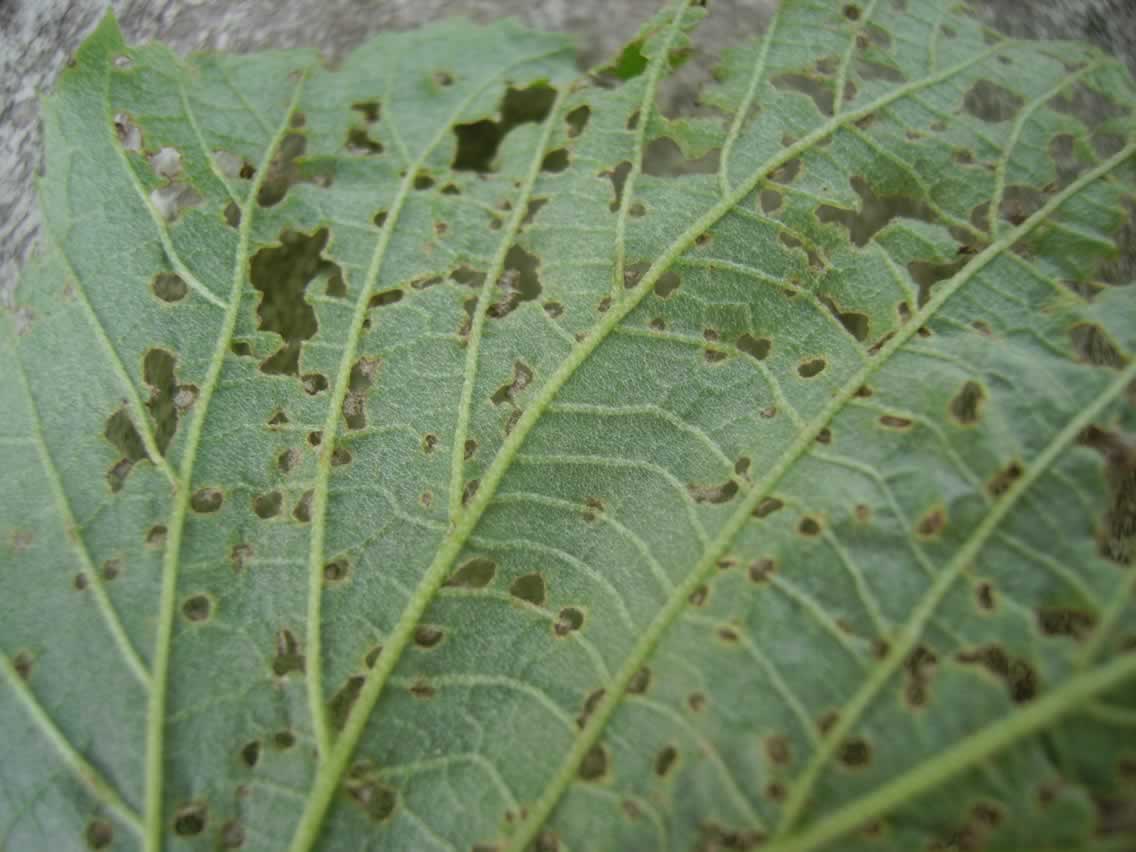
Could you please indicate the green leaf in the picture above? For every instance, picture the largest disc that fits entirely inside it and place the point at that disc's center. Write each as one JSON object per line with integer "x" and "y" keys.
{"x": 397, "y": 455}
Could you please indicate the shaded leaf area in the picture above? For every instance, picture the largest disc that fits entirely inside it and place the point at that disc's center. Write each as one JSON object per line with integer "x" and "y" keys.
{"x": 459, "y": 452}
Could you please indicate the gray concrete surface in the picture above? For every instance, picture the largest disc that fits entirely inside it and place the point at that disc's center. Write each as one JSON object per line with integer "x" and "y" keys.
{"x": 37, "y": 37}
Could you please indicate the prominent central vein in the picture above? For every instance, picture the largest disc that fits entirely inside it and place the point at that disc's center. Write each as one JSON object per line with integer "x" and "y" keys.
{"x": 156, "y": 711}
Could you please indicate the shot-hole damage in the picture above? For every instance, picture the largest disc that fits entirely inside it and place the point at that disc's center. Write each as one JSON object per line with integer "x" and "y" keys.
{"x": 569, "y": 621}
{"x": 288, "y": 658}
{"x": 314, "y": 383}
{"x": 640, "y": 681}
{"x": 932, "y": 523}
{"x": 594, "y": 766}
{"x": 618, "y": 178}
{"x": 120, "y": 432}
{"x": 756, "y": 347}
{"x": 777, "y": 750}
{"x": 282, "y": 274}
{"x": 519, "y": 282}
{"x": 268, "y": 505}
{"x": 303, "y": 510}
{"x": 206, "y": 501}
{"x": 529, "y": 588}
{"x": 283, "y": 740}
{"x": 476, "y": 573}
{"x": 811, "y": 368}
{"x": 375, "y": 800}
{"x": 816, "y": 87}
{"x": 99, "y": 834}
{"x": 478, "y": 142}
{"x": 809, "y": 526}
{"x": 919, "y": 670}
{"x": 697, "y": 597}
{"x": 169, "y": 287}
{"x": 197, "y": 608}
{"x": 966, "y": 405}
{"x": 360, "y": 142}
{"x": 577, "y": 120}
{"x": 665, "y": 760}
{"x": 337, "y": 571}
{"x": 992, "y": 102}
{"x": 190, "y": 819}
{"x": 339, "y": 708}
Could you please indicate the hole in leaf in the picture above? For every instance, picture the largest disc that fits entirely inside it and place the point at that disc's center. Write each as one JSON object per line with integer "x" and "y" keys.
{"x": 303, "y": 510}
{"x": 640, "y": 681}
{"x": 189, "y": 820}
{"x": 891, "y": 421}
{"x": 809, "y": 527}
{"x": 360, "y": 142}
{"x": 375, "y": 800}
{"x": 206, "y": 500}
{"x": 966, "y": 405}
{"x": 197, "y": 608}
{"x": 698, "y": 596}
{"x": 232, "y": 835}
{"x": 121, "y": 433}
{"x": 529, "y": 588}
{"x": 696, "y": 701}
{"x": 288, "y": 658}
{"x": 522, "y": 376}
{"x": 989, "y": 101}
{"x": 594, "y": 765}
{"x": 336, "y": 571}
{"x": 555, "y": 161}
{"x": 570, "y": 620}
{"x": 813, "y": 367}
{"x": 477, "y": 573}
{"x": 268, "y": 505}
{"x": 755, "y": 347}
{"x": 577, "y": 120}
{"x": 478, "y": 142}
{"x": 281, "y": 274}
{"x": 876, "y": 211}
{"x": 339, "y": 708}
{"x": 931, "y": 525}
{"x": 665, "y": 760}
{"x": 816, "y": 88}
{"x": 618, "y": 177}
{"x": 426, "y": 636}
{"x": 169, "y": 287}
{"x": 1066, "y": 621}
{"x": 283, "y": 740}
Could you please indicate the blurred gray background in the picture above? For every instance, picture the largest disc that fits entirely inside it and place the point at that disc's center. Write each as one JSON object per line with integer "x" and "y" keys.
{"x": 38, "y": 36}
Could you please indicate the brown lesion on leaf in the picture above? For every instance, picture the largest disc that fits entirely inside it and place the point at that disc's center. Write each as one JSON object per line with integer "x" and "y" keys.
{"x": 713, "y": 494}
{"x": 363, "y": 374}
{"x": 1020, "y": 678}
{"x": 1116, "y": 534}
{"x": 1003, "y": 480}
{"x": 966, "y": 405}
{"x": 919, "y": 670}
{"x": 339, "y": 708}
{"x": 288, "y": 658}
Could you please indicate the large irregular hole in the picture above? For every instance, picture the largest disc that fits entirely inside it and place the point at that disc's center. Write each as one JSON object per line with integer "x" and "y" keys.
{"x": 875, "y": 212}
{"x": 618, "y": 178}
{"x": 816, "y": 88}
{"x": 663, "y": 157}
{"x": 281, "y": 274}
{"x": 479, "y": 141}
{"x": 124, "y": 437}
{"x": 520, "y": 282}
{"x": 990, "y": 101}
{"x": 158, "y": 371}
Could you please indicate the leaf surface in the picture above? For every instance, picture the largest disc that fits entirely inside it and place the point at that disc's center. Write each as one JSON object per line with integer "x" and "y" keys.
{"x": 399, "y": 454}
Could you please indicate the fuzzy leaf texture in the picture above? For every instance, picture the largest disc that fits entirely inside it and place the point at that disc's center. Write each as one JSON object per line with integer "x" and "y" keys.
{"x": 396, "y": 456}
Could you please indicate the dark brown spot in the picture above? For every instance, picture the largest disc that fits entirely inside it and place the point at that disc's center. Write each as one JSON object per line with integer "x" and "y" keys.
{"x": 698, "y": 596}
{"x": 855, "y": 753}
{"x": 250, "y": 754}
{"x": 767, "y": 506}
{"x": 932, "y": 523}
{"x": 664, "y": 760}
{"x": 640, "y": 681}
{"x": 190, "y": 820}
{"x": 197, "y": 608}
{"x": 966, "y": 405}
{"x": 1002, "y": 481}
{"x": 760, "y": 570}
{"x": 570, "y": 620}
{"x": 777, "y": 750}
{"x": 809, "y": 527}
{"x": 696, "y": 701}
{"x": 594, "y": 765}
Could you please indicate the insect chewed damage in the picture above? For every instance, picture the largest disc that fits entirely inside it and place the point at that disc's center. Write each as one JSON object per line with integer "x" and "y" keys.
{"x": 446, "y": 446}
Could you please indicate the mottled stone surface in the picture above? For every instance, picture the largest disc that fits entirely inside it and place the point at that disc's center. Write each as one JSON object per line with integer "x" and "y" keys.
{"x": 37, "y": 37}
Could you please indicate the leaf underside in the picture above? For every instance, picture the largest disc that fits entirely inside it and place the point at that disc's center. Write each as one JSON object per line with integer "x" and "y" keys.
{"x": 397, "y": 456}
